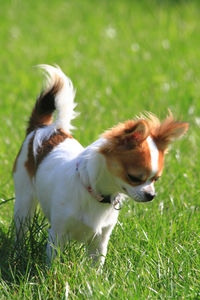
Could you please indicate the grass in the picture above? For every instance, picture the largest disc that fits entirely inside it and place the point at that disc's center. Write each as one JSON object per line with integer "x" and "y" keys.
{"x": 124, "y": 57}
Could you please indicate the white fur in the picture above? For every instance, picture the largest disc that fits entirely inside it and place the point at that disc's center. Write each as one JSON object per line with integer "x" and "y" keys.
{"x": 72, "y": 212}
{"x": 61, "y": 181}
{"x": 25, "y": 201}
{"x": 138, "y": 192}
{"x": 64, "y": 101}
{"x": 154, "y": 155}
{"x": 41, "y": 135}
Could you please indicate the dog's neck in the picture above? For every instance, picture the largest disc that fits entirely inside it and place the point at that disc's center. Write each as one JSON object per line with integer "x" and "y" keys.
{"x": 93, "y": 170}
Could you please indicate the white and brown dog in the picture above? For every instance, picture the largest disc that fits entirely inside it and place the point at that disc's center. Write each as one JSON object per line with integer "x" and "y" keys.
{"x": 80, "y": 188}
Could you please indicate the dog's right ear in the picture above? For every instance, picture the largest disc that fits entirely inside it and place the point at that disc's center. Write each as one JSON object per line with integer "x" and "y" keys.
{"x": 126, "y": 136}
{"x": 169, "y": 131}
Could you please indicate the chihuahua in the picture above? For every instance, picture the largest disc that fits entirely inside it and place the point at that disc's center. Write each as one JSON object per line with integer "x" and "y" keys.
{"x": 80, "y": 189}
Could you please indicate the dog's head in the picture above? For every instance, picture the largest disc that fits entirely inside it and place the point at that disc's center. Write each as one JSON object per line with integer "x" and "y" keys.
{"x": 135, "y": 150}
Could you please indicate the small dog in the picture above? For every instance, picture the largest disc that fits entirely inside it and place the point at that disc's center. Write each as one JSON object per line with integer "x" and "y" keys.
{"x": 80, "y": 189}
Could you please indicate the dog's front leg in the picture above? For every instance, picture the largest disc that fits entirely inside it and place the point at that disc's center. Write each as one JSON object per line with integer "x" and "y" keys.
{"x": 54, "y": 242}
{"x": 97, "y": 246}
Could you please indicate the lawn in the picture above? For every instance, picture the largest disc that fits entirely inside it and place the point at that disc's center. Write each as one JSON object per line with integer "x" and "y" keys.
{"x": 124, "y": 57}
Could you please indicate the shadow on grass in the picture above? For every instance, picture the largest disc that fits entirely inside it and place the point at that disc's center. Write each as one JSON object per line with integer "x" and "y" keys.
{"x": 22, "y": 258}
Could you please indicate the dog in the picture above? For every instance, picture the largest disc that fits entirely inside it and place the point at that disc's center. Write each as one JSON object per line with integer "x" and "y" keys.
{"x": 80, "y": 189}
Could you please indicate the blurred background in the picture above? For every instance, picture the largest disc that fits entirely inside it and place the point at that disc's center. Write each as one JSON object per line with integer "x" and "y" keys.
{"x": 124, "y": 58}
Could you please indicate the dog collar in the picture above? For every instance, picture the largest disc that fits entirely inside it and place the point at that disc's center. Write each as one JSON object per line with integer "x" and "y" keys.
{"x": 100, "y": 198}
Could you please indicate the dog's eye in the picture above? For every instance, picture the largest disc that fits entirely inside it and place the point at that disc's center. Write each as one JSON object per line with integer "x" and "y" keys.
{"x": 156, "y": 179}
{"x": 134, "y": 179}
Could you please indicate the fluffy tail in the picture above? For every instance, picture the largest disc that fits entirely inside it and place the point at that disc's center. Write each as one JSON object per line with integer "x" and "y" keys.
{"x": 58, "y": 95}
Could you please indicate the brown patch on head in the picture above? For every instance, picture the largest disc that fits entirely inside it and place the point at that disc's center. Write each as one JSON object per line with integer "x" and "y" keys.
{"x": 128, "y": 135}
{"x": 126, "y": 149}
{"x": 47, "y": 146}
{"x": 135, "y": 162}
{"x": 127, "y": 152}
{"x": 45, "y": 106}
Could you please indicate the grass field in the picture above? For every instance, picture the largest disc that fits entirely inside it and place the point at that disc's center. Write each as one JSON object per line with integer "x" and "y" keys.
{"x": 124, "y": 57}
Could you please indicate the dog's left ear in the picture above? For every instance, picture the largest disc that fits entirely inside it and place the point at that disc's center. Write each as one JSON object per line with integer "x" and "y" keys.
{"x": 133, "y": 134}
{"x": 170, "y": 131}
{"x": 126, "y": 136}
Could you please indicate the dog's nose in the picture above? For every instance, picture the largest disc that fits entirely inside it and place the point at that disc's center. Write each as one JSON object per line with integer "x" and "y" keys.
{"x": 149, "y": 196}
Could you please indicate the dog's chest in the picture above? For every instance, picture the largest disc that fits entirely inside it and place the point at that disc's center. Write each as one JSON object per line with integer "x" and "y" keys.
{"x": 78, "y": 230}
{"x": 84, "y": 226}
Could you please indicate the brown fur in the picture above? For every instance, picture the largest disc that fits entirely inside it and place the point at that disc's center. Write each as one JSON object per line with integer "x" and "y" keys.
{"x": 131, "y": 133}
{"x": 136, "y": 162}
{"x": 47, "y": 146}
{"x": 127, "y": 152}
{"x": 30, "y": 163}
{"x": 125, "y": 136}
{"x": 163, "y": 133}
{"x": 44, "y": 107}
{"x": 160, "y": 164}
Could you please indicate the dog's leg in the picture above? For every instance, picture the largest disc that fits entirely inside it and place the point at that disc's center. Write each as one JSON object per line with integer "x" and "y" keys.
{"x": 25, "y": 204}
{"x": 52, "y": 244}
{"x": 55, "y": 240}
{"x": 97, "y": 246}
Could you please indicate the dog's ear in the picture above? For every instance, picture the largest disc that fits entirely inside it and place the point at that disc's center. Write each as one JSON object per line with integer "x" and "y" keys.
{"x": 126, "y": 136}
{"x": 169, "y": 131}
{"x": 133, "y": 134}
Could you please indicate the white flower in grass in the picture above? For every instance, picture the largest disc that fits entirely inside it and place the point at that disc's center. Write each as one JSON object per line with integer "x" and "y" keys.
{"x": 15, "y": 32}
{"x": 147, "y": 55}
{"x": 7, "y": 141}
{"x": 108, "y": 90}
{"x": 135, "y": 47}
{"x": 166, "y": 87}
{"x": 111, "y": 32}
{"x": 166, "y": 44}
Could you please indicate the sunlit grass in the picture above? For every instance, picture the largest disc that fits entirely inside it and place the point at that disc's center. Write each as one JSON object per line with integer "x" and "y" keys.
{"x": 124, "y": 57}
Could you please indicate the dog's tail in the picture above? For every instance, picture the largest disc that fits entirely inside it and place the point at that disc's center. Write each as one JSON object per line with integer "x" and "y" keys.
{"x": 58, "y": 95}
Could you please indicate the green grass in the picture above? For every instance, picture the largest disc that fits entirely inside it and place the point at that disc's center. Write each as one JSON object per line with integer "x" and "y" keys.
{"x": 124, "y": 57}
